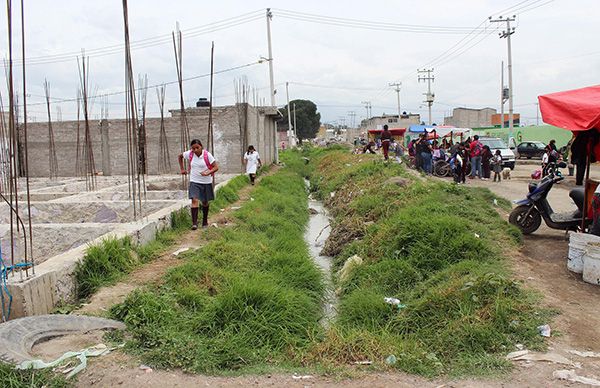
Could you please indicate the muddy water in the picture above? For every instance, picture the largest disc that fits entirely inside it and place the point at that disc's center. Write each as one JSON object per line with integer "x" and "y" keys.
{"x": 315, "y": 236}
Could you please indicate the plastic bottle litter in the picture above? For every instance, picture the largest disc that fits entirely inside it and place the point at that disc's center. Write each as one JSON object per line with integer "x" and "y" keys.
{"x": 394, "y": 302}
{"x": 544, "y": 330}
{"x": 391, "y": 359}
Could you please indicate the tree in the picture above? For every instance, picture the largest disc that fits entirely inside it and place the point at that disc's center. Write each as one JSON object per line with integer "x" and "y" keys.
{"x": 308, "y": 120}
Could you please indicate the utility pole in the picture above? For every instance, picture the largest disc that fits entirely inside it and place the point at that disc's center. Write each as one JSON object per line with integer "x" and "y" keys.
{"x": 290, "y": 131}
{"x": 295, "y": 130}
{"x": 502, "y": 99}
{"x": 352, "y": 115}
{"x": 428, "y": 96}
{"x": 272, "y": 81}
{"x": 506, "y": 34}
{"x": 368, "y": 108}
{"x": 397, "y": 89}
{"x": 537, "y": 113}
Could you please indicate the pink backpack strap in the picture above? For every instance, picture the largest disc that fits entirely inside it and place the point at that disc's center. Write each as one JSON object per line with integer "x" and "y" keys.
{"x": 208, "y": 165}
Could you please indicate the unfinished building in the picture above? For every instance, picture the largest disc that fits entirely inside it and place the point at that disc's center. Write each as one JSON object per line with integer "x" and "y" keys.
{"x": 234, "y": 128}
{"x": 66, "y": 216}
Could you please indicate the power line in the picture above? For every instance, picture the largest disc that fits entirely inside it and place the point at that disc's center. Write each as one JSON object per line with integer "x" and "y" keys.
{"x": 147, "y": 42}
{"x": 374, "y": 25}
{"x": 162, "y": 83}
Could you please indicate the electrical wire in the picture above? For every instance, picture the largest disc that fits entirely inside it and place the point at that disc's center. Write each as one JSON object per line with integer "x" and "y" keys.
{"x": 147, "y": 42}
{"x": 374, "y": 25}
{"x": 156, "y": 85}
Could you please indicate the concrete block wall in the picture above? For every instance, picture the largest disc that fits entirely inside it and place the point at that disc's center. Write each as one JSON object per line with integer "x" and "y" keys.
{"x": 111, "y": 137}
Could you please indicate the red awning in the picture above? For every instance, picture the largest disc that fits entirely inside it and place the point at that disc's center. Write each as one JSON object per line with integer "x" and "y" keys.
{"x": 575, "y": 110}
{"x": 394, "y": 131}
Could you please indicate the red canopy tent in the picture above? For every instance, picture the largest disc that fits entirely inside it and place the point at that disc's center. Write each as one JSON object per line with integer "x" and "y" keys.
{"x": 394, "y": 131}
{"x": 397, "y": 133}
{"x": 577, "y": 110}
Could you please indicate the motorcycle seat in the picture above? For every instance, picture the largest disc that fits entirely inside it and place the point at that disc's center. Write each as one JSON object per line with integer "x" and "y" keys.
{"x": 577, "y": 195}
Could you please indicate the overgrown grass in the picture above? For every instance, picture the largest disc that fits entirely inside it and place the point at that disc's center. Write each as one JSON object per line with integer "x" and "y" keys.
{"x": 440, "y": 249}
{"x": 249, "y": 298}
{"x": 104, "y": 264}
{"x": 12, "y": 378}
{"x": 109, "y": 261}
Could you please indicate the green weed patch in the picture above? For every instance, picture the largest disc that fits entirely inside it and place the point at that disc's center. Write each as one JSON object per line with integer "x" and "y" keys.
{"x": 251, "y": 297}
{"x": 437, "y": 247}
{"x": 12, "y": 378}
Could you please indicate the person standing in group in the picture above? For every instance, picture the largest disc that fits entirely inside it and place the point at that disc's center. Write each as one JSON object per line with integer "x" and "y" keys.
{"x": 552, "y": 151}
{"x": 456, "y": 163}
{"x": 252, "y": 162}
{"x": 386, "y": 137}
{"x": 202, "y": 167}
{"x": 486, "y": 157}
{"x": 424, "y": 150}
{"x": 476, "y": 149}
{"x": 497, "y": 165}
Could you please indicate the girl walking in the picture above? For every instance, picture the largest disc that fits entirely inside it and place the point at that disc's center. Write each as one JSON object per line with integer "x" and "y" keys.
{"x": 202, "y": 167}
{"x": 252, "y": 162}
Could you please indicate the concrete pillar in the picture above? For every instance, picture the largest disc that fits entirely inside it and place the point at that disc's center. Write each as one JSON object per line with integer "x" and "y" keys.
{"x": 106, "y": 170}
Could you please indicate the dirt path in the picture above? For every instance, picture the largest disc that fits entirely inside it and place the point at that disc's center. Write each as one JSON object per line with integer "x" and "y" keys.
{"x": 541, "y": 265}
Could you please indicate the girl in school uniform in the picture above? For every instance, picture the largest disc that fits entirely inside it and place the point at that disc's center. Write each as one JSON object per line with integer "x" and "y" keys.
{"x": 202, "y": 167}
{"x": 252, "y": 162}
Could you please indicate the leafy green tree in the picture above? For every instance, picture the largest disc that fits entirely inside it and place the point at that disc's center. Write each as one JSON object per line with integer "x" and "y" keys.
{"x": 308, "y": 120}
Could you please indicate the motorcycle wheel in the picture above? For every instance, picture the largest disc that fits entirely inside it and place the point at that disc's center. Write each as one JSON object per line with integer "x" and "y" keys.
{"x": 441, "y": 168}
{"x": 527, "y": 225}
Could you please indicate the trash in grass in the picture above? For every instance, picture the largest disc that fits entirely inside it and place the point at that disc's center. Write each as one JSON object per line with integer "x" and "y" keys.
{"x": 363, "y": 362}
{"x": 495, "y": 202}
{"x": 544, "y": 330}
{"x": 146, "y": 368}
{"x": 585, "y": 354}
{"x": 332, "y": 194}
{"x": 476, "y": 235}
{"x": 349, "y": 265}
{"x": 305, "y": 377}
{"x": 251, "y": 199}
{"x": 394, "y": 302}
{"x": 180, "y": 251}
{"x": 391, "y": 359}
{"x": 236, "y": 207}
{"x": 526, "y": 355}
{"x": 82, "y": 355}
{"x": 570, "y": 375}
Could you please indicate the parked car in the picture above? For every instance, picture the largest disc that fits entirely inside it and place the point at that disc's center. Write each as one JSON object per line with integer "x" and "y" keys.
{"x": 495, "y": 143}
{"x": 531, "y": 149}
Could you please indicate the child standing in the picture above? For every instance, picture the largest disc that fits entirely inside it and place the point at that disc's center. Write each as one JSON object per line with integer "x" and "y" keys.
{"x": 252, "y": 161}
{"x": 497, "y": 165}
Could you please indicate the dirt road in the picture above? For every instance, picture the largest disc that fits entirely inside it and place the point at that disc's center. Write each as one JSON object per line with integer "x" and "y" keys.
{"x": 541, "y": 265}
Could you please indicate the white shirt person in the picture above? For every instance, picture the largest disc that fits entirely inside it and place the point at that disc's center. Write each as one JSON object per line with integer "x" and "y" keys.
{"x": 252, "y": 162}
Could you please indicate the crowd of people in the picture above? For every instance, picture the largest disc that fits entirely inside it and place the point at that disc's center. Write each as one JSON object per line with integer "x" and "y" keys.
{"x": 468, "y": 159}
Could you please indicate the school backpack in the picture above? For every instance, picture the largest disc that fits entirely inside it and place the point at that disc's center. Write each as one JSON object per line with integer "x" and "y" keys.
{"x": 478, "y": 149}
{"x": 205, "y": 156}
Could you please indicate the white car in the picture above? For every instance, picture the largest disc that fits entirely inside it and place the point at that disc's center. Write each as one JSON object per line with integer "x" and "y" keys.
{"x": 495, "y": 143}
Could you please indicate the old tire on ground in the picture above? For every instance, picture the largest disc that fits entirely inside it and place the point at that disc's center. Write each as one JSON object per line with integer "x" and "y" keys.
{"x": 527, "y": 224}
{"x": 441, "y": 168}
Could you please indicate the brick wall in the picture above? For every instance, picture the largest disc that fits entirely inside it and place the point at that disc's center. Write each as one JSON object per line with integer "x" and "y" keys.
{"x": 226, "y": 133}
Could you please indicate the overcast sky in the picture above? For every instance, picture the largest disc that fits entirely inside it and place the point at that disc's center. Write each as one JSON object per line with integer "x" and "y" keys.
{"x": 555, "y": 47}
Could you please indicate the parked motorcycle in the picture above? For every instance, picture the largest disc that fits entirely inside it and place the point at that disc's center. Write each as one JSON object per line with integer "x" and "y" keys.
{"x": 530, "y": 211}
